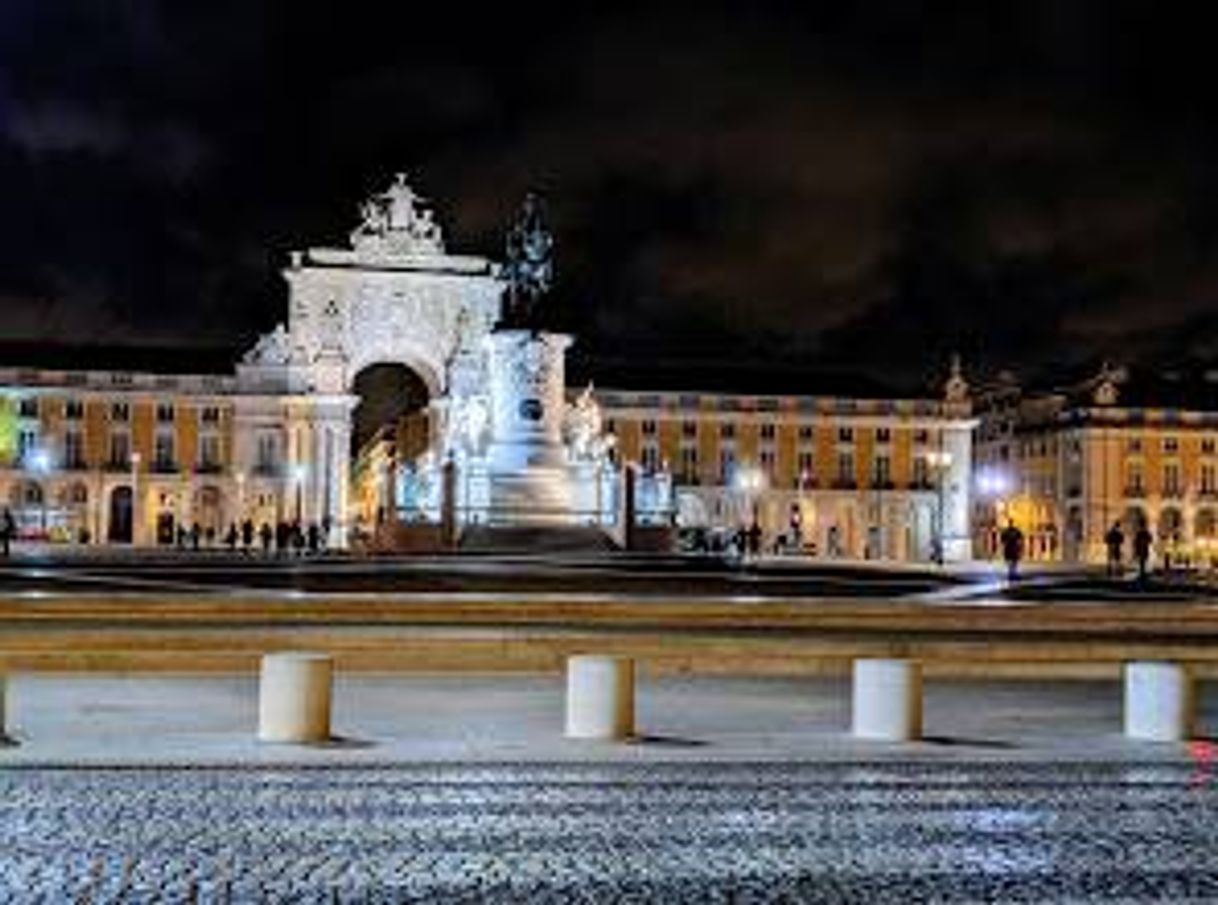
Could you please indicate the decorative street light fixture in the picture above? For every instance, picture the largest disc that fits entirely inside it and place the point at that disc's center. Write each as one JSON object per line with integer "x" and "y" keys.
{"x": 992, "y": 485}
{"x": 751, "y": 481}
{"x": 939, "y": 461}
{"x": 135, "y": 496}
{"x": 298, "y": 477}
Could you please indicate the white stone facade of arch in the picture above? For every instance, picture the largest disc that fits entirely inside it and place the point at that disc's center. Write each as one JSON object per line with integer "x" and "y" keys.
{"x": 394, "y": 297}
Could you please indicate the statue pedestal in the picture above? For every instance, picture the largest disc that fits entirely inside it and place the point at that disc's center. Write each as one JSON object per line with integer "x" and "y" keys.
{"x": 530, "y": 479}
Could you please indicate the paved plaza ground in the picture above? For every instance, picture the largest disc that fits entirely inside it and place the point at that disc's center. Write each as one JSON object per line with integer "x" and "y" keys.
{"x": 204, "y": 719}
{"x": 461, "y": 789}
{"x": 458, "y": 786}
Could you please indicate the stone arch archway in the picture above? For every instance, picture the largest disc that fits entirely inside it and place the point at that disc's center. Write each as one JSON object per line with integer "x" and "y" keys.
{"x": 395, "y": 296}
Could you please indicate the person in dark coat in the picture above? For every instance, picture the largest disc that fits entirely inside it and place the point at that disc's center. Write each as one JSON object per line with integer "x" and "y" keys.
{"x": 247, "y": 534}
{"x": 8, "y": 531}
{"x": 1011, "y": 540}
{"x": 1141, "y": 549}
{"x": 1114, "y": 540}
{"x": 230, "y": 538}
{"x": 266, "y": 534}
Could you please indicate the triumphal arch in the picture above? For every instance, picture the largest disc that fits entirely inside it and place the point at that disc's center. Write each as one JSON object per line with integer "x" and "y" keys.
{"x": 395, "y": 295}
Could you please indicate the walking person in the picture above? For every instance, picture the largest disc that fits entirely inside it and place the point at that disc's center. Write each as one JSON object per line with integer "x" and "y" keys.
{"x": 1012, "y": 549}
{"x": 247, "y": 535}
{"x": 1141, "y": 550}
{"x": 8, "y": 531}
{"x": 230, "y": 538}
{"x": 266, "y": 534}
{"x": 1114, "y": 540}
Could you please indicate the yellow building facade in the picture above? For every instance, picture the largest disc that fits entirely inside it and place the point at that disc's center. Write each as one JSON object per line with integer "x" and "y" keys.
{"x": 837, "y": 477}
{"x": 1066, "y": 466}
{"x": 122, "y": 457}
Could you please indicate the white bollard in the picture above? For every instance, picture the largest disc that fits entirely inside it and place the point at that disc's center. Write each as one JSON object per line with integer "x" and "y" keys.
{"x": 1158, "y": 702}
{"x": 294, "y": 697}
{"x": 600, "y": 697}
{"x": 887, "y": 700}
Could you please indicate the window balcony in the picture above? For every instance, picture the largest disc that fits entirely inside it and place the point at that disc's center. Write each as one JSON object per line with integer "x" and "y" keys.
{"x": 75, "y": 463}
{"x": 268, "y": 470}
{"x": 116, "y": 465}
{"x": 164, "y": 466}
{"x": 1135, "y": 492}
{"x": 883, "y": 485}
{"x": 209, "y": 468}
{"x": 845, "y": 484}
{"x": 1173, "y": 493}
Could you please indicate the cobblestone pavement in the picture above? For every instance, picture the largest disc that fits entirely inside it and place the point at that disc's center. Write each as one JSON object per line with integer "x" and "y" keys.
{"x": 597, "y": 833}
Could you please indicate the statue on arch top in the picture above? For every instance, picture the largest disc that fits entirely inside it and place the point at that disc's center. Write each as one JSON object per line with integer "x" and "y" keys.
{"x": 529, "y": 268}
{"x": 395, "y": 222}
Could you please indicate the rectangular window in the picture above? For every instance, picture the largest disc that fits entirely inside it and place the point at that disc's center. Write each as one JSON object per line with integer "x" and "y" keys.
{"x": 921, "y": 475}
{"x": 27, "y": 443}
{"x": 164, "y": 412}
{"x": 883, "y": 435}
{"x": 921, "y": 436}
{"x": 805, "y": 462}
{"x": 1134, "y": 480}
{"x": 73, "y": 449}
{"x": 805, "y": 432}
{"x": 845, "y": 435}
{"x": 163, "y": 452}
{"x": 120, "y": 449}
{"x": 120, "y": 411}
{"x": 73, "y": 410}
{"x": 650, "y": 458}
{"x": 845, "y": 468}
{"x": 689, "y": 429}
{"x": 767, "y": 462}
{"x": 267, "y": 461}
{"x": 209, "y": 451}
{"x": 727, "y": 430}
{"x": 1207, "y": 479}
{"x": 727, "y": 465}
{"x": 1207, "y": 446}
{"x": 649, "y": 428}
{"x": 1171, "y": 479}
{"x": 767, "y": 431}
{"x": 28, "y": 407}
{"x": 1171, "y": 444}
{"x": 1134, "y": 445}
{"x": 881, "y": 471}
{"x": 210, "y": 414}
{"x": 689, "y": 464}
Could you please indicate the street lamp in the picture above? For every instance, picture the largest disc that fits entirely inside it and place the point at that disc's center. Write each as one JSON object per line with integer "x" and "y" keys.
{"x": 939, "y": 461}
{"x": 240, "y": 476}
{"x": 992, "y": 485}
{"x": 751, "y": 481}
{"x": 135, "y": 476}
{"x": 40, "y": 462}
{"x": 298, "y": 477}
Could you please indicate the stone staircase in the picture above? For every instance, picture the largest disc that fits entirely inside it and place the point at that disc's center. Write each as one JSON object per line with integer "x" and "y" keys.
{"x": 536, "y": 539}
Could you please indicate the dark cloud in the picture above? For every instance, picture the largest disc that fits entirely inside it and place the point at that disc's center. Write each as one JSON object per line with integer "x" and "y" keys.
{"x": 866, "y": 185}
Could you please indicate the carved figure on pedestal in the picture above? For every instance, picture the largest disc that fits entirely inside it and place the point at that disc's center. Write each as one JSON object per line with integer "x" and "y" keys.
{"x": 529, "y": 268}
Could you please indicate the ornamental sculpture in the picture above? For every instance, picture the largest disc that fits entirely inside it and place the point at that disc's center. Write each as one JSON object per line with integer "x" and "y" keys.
{"x": 395, "y": 222}
{"x": 529, "y": 268}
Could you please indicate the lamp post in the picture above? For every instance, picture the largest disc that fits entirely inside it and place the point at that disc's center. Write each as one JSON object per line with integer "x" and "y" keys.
{"x": 939, "y": 461}
{"x": 240, "y": 496}
{"x": 135, "y": 476}
{"x": 992, "y": 485}
{"x": 298, "y": 478}
{"x": 41, "y": 463}
{"x": 751, "y": 481}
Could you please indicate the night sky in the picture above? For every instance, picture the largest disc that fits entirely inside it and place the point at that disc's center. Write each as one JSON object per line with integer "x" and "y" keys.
{"x": 863, "y": 186}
